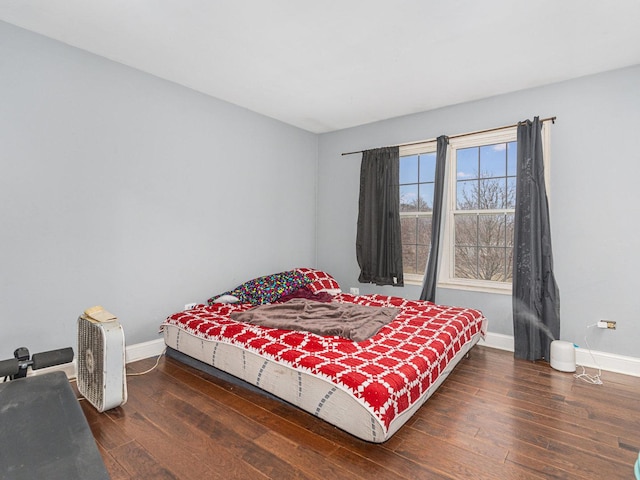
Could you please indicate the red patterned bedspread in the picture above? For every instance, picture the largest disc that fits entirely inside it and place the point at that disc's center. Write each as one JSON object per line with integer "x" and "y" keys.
{"x": 387, "y": 373}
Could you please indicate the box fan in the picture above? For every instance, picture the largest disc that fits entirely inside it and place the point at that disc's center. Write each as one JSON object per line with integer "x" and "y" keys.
{"x": 101, "y": 375}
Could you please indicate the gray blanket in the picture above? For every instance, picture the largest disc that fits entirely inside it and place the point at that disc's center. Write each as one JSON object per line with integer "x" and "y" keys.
{"x": 355, "y": 322}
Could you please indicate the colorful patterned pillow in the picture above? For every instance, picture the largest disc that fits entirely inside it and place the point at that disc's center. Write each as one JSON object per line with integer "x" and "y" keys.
{"x": 266, "y": 289}
{"x": 320, "y": 281}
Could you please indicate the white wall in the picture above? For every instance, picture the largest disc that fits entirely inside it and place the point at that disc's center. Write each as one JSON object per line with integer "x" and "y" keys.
{"x": 121, "y": 189}
{"x": 595, "y": 199}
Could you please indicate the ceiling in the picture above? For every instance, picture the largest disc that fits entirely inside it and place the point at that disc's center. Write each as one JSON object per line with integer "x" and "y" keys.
{"x": 328, "y": 65}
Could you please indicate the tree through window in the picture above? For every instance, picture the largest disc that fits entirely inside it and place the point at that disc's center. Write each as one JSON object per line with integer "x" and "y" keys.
{"x": 484, "y": 211}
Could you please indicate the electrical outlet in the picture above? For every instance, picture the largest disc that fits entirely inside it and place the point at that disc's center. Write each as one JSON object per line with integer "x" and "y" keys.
{"x": 607, "y": 324}
{"x": 189, "y": 306}
{"x": 354, "y": 291}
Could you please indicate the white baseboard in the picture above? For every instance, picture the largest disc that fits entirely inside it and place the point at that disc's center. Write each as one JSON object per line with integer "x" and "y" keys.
{"x": 68, "y": 368}
{"x": 497, "y": 340}
{"x": 140, "y": 351}
{"x": 133, "y": 353}
{"x": 609, "y": 362}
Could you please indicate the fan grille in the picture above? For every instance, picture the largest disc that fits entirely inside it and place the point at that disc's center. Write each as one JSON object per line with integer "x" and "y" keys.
{"x": 101, "y": 364}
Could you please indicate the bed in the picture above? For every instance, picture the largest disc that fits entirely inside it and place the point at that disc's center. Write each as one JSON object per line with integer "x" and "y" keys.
{"x": 367, "y": 387}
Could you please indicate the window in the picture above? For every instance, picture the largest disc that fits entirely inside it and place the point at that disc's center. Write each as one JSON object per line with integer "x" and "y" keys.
{"x": 479, "y": 209}
{"x": 482, "y": 210}
{"x": 417, "y": 175}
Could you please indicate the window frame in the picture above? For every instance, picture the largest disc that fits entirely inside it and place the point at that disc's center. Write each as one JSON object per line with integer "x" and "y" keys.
{"x": 446, "y": 273}
{"x": 446, "y": 277}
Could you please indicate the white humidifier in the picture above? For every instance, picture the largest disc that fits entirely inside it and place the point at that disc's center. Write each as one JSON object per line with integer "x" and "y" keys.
{"x": 563, "y": 356}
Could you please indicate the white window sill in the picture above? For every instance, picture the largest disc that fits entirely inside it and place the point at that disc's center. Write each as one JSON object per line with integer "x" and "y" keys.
{"x": 485, "y": 287}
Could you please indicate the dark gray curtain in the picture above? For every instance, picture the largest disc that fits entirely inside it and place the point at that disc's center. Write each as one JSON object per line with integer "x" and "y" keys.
{"x": 431, "y": 273}
{"x": 378, "y": 242}
{"x": 536, "y": 300}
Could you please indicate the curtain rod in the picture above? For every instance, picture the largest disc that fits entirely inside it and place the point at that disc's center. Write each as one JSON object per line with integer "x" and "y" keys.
{"x": 548, "y": 119}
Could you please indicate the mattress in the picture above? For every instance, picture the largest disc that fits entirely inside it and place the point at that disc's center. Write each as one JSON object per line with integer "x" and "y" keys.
{"x": 369, "y": 388}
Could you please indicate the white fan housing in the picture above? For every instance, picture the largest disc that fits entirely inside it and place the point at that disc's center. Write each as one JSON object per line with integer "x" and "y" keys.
{"x": 102, "y": 376}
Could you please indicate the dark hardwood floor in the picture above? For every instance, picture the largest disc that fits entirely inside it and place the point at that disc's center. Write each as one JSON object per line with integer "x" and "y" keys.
{"x": 493, "y": 418}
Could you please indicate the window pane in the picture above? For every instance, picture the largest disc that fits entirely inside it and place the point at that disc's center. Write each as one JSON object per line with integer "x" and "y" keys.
{"x": 409, "y": 198}
{"x": 512, "y": 159}
{"x": 491, "y": 230}
{"x": 509, "y": 265}
{"x": 466, "y": 262}
{"x": 493, "y": 160}
{"x": 467, "y": 194}
{"x": 467, "y": 163}
{"x": 492, "y": 264}
{"x": 510, "y": 201}
{"x": 492, "y": 193}
{"x": 424, "y": 231}
{"x": 408, "y": 230}
{"x": 428, "y": 167}
{"x": 409, "y": 259}
{"x": 409, "y": 169}
{"x": 466, "y": 230}
{"x": 426, "y": 197}
{"x": 422, "y": 258}
{"x": 510, "y": 229}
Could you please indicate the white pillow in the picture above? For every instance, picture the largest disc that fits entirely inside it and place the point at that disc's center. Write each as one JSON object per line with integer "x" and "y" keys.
{"x": 227, "y": 299}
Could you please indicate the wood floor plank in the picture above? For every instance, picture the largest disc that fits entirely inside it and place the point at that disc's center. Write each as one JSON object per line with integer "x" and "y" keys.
{"x": 177, "y": 457}
{"x": 107, "y": 433}
{"x": 189, "y": 426}
{"x": 139, "y": 463}
{"x": 311, "y": 463}
{"x": 495, "y": 417}
{"x": 579, "y": 417}
{"x": 544, "y": 428}
{"x": 460, "y": 462}
{"x": 116, "y": 471}
{"x": 396, "y": 467}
